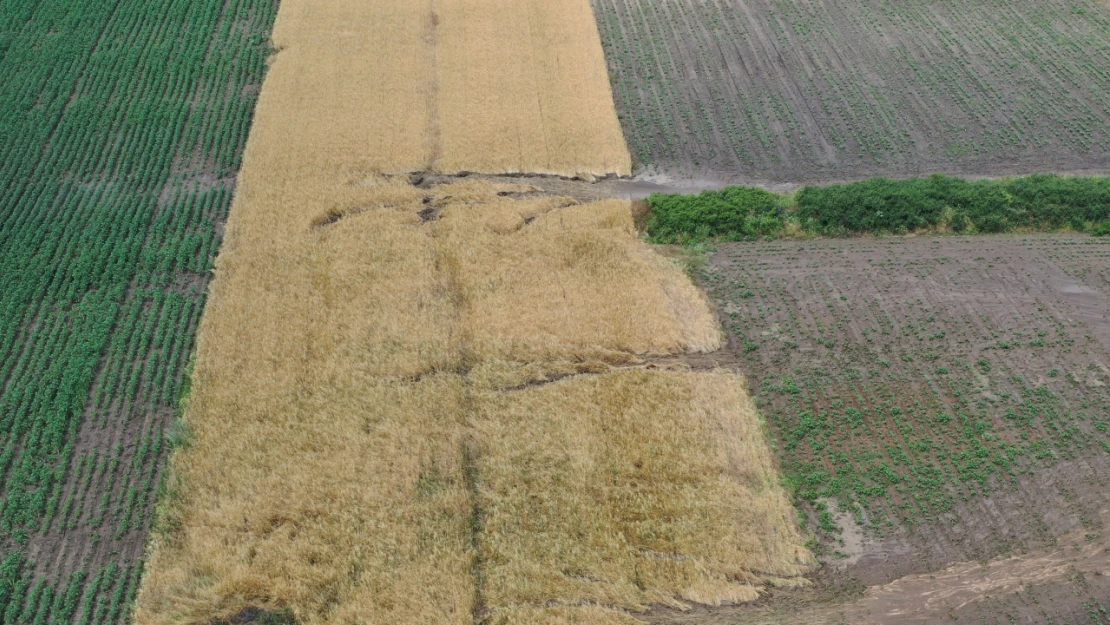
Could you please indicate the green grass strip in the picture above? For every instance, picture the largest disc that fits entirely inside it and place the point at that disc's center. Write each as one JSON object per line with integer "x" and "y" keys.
{"x": 1041, "y": 202}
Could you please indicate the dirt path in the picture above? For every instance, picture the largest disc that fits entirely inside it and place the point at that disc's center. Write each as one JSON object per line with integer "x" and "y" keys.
{"x": 646, "y": 182}
{"x": 1025, "y": 587}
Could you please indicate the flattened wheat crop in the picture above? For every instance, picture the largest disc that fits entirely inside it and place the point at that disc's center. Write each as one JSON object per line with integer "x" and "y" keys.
{"x": 646, "y": 479}
{"x": 368, "y": 344}
{"x": 366, "y": 348}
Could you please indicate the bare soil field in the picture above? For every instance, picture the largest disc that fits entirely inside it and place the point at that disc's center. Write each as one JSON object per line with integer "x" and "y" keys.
{"x": 766, "y": 91}
{"x": 936, "y": 401}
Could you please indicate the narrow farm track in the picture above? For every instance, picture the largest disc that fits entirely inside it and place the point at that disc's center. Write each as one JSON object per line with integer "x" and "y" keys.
{"x": 121, "y": 128}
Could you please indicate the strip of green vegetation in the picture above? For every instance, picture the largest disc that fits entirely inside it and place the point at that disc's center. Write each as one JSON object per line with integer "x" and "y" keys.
{"x": 122, "y": 128}
{"x": 880, "y": 205}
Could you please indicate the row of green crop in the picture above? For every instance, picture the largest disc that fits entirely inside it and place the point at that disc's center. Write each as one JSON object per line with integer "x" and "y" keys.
{"x": 103, "y": 599}
{"x": 122, "y": 125}
{"x": 880, "y": 205}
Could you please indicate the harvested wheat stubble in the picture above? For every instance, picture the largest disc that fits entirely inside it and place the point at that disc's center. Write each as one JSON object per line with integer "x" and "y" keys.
{"x": 654, "y": 484}
{"x": 448, "y": 85}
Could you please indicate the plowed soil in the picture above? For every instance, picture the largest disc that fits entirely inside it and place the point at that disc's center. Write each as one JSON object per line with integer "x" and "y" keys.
{"x": 765, "y": 91}
{"x": 940, "y": 405}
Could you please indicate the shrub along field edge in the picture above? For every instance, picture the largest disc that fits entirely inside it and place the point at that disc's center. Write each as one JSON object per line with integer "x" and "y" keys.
{"x": 1040, "y": 202}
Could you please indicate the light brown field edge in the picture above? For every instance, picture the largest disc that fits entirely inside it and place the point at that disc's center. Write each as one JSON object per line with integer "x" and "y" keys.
{"x": 423, "y": 405}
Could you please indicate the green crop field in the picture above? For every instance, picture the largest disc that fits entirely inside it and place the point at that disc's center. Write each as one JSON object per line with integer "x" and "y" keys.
{"x": 122, "y": 125}
{"x": 805, "y": 91}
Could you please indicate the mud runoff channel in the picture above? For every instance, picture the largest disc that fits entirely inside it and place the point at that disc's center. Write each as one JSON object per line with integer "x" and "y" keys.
{"x": 941, "y": 407}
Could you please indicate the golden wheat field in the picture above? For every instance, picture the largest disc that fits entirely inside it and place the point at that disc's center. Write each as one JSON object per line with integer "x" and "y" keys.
{"x": 429, "y": 405}
{"x": 657, "y": 487}
{"x": 523, "y": 87}
{"x": 451, "y": 85}
{"x": 354, "y": 390}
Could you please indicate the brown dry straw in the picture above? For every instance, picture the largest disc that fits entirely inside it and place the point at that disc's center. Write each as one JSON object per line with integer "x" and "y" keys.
{"x": 355, "y": 433}
{"x": 492, "y": 86}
